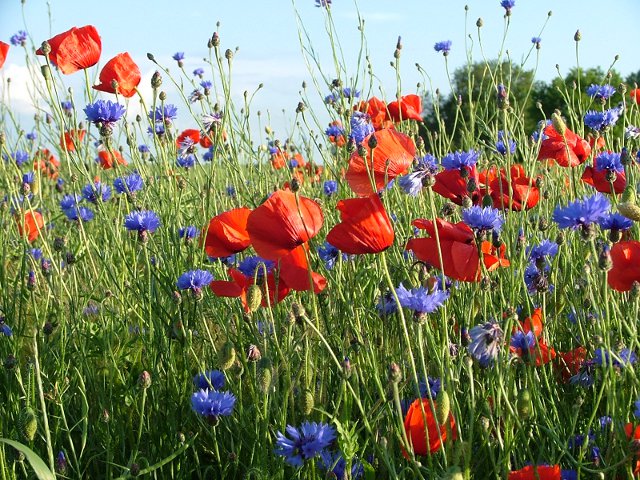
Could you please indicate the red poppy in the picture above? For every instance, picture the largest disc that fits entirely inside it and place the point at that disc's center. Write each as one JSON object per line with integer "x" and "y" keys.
{"x": 569, "y": 363}
{"x": 596, "y": 144}
{"x": 635, "y": 95}
{"x": 72, "y": 139}
{"x": 633, "y": 434}
{"x": 539, "y": 472}
{"x": 539, "y": 353}
{"x": 123, "y": 70}
{"x": 279, "y": 159}
{"x": 107, "y": 159}
{"x": 377, "y": 110}
{"x": 597, "y": 179}
{"x": 569, "y": 151}
{"x": 30, "y": 225}
{"x": 414, "y": 426}
{"x": 453, "y": 186}
{"x": 239, "y": 284}
{"x": 626, "y": 265}
{"x": 282, "y": 223}
{"x": 192, "y": 134}
{"x": 459, "y": 252}
{"x": 339, "y": 140}
{"x": 47, "y": 163}
{"x": 295, "y": 271}
{"x": 227, "y": 233}
{"x": 4, "y": 49}
{"x": 520, "y": 192}
{"x": 408, "y": 107}
{"x": 75, "y": 49}
{"x": 391, "y": 157}
{"x": 364, "y": 226}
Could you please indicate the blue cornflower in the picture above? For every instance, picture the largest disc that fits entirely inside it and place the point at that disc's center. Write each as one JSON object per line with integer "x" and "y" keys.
{"x": 330, "y": 254}
{"x": 600, "y": 121}
{"x": 350, "y": 93}
{"x": 186, "y": 161}
{"x": 360, "y": 126}
{"x": 129, "y": 184}
{"x": 485, "y": 342}
{"x": 28, "y": 178}
{"x": 142, "y": 148}
{"x": 420, "y": 300}
{"x": 459, "y": 160}
{"x": 208, "y": 155}
{"x": 198, "y": 72}
{"x": 536, "y": 40}
{"x": 19, "y": 156}
{"x": 329, "y": 187}
{"x": 483, "y": 219}
{"x": 212, "y": 403}
{"x": 600, "y": 92}
{"x": 430, "y": 388}
{"x": 158, "y": 129}
{"x": 164, "y": 114}
{"x": 188, "y": 233}
{"x": 79, "y": 213}
{"x": 444, "y": 47}
{"x": 581, "y": 213}
{"x": 95, "y": 191}
{"x": 194, "y": 280}
{"x": 504, "y": 142}
{"x": 523, "y": 341}
{"x": 66, "y": 106}
{"x": 423, "y": 169}
{"x": 252, "y": 265}
{"x": 334, "y": 131}
{"x": 508, "y": 4}
{"x": 178, "y": 56}
{"x": 615, "y": 221}
{"x": 206, "y": 84}
{"x": 69, "y": 201}
{"x": 636, "y": 412}
{"x": 537, "y": 279}
{"x": 305, "y": 443}
{"x": 32, "y": 136}
{"x": 19, "y": 39}
{"x": 609, "y": 161}
{"x": 210, "y": 379}
{"x": 230, "y": 190}
{"x": 4, "y": 328}
{"x": 104, "y": 112}
{"x": 330, "y": 99}
{"x": 323, "y": 3}
{"x": 386, "y": 304}
{"x": 334, "y": 463}
{"x": 142, "y": 221}
{"x": 36, "y": 253}
{"x": 540, "y": 252}
{"x": 605, "y": 358}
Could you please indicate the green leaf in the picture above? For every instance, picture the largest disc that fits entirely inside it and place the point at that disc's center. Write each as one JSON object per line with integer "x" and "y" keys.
{"x": 39, "y": 467}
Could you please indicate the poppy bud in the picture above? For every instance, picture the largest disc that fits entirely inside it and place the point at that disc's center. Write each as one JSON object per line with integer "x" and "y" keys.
{"x": 156, "y": 80}
{"x": 254, "y": 298}
{"x": 301, "y": 107}
{"x": 215, "y": 39}
{"x": 144, "y": 380}
{"x": 604, "y": 259}
{"x": 264, "y": 375}
{"x": 372, "y": 142}
{"x": 628, "y": 206}
{"x": 307, "y": 402}
{"x": 294, "y": 185}
{"x": 443, "y": 407}
{"x": 226, "y": 356}
{"x": 46, "y": 48}
{"x": 151, "y": 57}
{"x": 467, "y": 202}
{"x": 479, "y": 22}
{"x": 394, "y": 374}
{"x": 487, "y": 201}
{"x": 46, "y": 72}
{"x": 28, "y": 424}
{"x": 560, "y": 238}
{"x": 635, "y": 290}
{"x": 228, "y": 54}
{"x": 523, "y": 404}
{"x": 162, "y": 96}
{"x": 558, "y": 123}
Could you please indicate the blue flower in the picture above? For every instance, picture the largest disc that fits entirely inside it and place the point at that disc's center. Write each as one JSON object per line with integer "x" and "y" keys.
{"x": 609, "y": 161}
{"x": 206, "y": 84}
{"x": 536, "y": 279}
{"x": 485, "y": 342}
{"x": 636, "y": 412}
{"x": 129, "y": 184}
{"x": 36, "y": 253}
{"x": 178, "y": 56}
{"x": 508, "y": 4}
{"x": 334, "y": 463}
{"x": 483, "y": 219}
{"x": 198, "y": 72}
{"x": 253, "y": 265}
{"x": 605, "y": 358}
{"x": 423, "y": 168}
{"x": 210, "y": 379}
{"x": 386, "y": 304}
{"x": 615, "y": 221}
{"x": 18, "y": 156}
{"x": 79, "y": 213}
{"x": 19, "y": 39}
{"x": 459, "y": 160}
{"x": 164, "y": 114}
{"x": 330, "y": 254}
{"x": 501, "y": 146}
{"x": 67, "y": 106}
{"x": 69, "y": 201}
{"x": 186, "y": 161}
{"x": 213, "y": 404}
{"x": 188, "y": 233}
{"x": 444, "y": 47}
{"x": 142, "y": 221}
{"x": 523, "y": 341}
{"x": 329, "y": 187}
{"x": 599, "y": 121}
{"x": 158, "y": 129}
{"x": 581, "y": 213}
{"x": 194, "y": 280}
{"x": 142, "y": 148}
{"x": 600, "y": 92}
{"x": 4, "y": 328}
{"x": 323, "y": 3}
{"x": 104, "y": 112}
{"x": 334, "y": 131}
{"x": 360, "y": 126}
{"x": 230, "y": 190}
{"x": 420, "y": 300}
{"x": 430, "y": 388}
{"x": 544, "y": 249}
{"x": 32, "y": 136}
{"x": 536, "y": 40}
{"x": 95, "y": 191}
{"x": 29, "y": 178}
{"x": 305, "y": 443}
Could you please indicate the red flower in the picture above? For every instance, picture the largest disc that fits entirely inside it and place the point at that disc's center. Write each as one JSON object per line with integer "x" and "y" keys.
{"x": 124, "y": 71}
{"x": 72, "y": 139}
{"x": 239, "y": 284}
{"x": 295, "y": 271}
{"x": 459, "y": 252}
{"x": 453, "y": 186}
{"x": 75, "y": 49}
{"x": 635, "y": 95}
{"x": 596, "y": 144}
{"x": 4, "y": 49}
{"x": 408, "y": 107}
{"x": 282, "y": 223}
{"x": 568, "y": 363}
{"x": 392, "y": 157}
{"x": 227, "y": 233}
{"x": 47, "y": 163}
{"x": 574, "y": 151}
{"x": 414, "y": 426}
{"x": 539, "y": 353}
{"x": 30, "y": 225}
{"x": 377, "y": 110}
{"x": 107, "y": 159}
{"x": 626, "y": 265}
{"x": 191, "y": 134}
{"x": 519, "y": 193}
{"x": 364, "y": 226}
{"x": 633, "y": 434}
{"x": 540, "y": 472}
{"x": 597, "y": 179}
{"x": 279, "y": 159}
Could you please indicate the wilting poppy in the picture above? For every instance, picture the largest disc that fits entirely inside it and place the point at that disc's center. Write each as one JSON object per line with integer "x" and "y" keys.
{"x": 72, "y": 139}
{"x": 598, "y": 180}
{"x": 452, "y": 185}
{"x": 123, "y": 70}
{"x": 75, "y": 49}
{"x": 282, "y": 223}
{"x": 4, "y": 49}
{"x": 47, "y": 163}
{"x": 626, "y": 265}
{"x": 295, "y": 271}
{"x": 364, "y": 226}
{"x": 568, "y": 363}
{"x": 227, "y": 233}
{"x": 239, "y": 284}
{"x": 30, "y": 225}
{"x": 527, "y": 343}
{"x": 460, "y": 258}
{"x": 539, "y": 472}
{"x": 377, "y": 111}
{"x": 408, "y": 107}
{"x": 569, "y": 151}
{"x": 517, "y": 193}
{"x": 107, "y": 159}
{"x": 391, "y": 157}
{"x": 414, "y": 426}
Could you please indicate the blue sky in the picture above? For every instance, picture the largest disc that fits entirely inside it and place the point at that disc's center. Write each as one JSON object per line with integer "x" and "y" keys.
{"x": 269, "y": 48}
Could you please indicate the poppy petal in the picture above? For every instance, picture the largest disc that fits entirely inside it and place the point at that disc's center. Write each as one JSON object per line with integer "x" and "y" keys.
{"x": 227, "y": 233}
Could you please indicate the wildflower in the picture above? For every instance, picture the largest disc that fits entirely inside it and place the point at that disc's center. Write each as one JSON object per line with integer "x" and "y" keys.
{"x": 423, "y": 173}
{"x": 505, "y": 143}
{"x": 186, "y": 161}
{"x": 537, "y": 279}
{"x": 19, "y": 156}
{"x": 508, "y": 5}
{"x": 142, "y": 221}
{"x": 108, "y": 158}
{"x": 178, "y": 57}
{"x": 600, "y": 121}
{"x": 95, "y": 191}
{"x": 212, "y": 404}
{"x": 605, "y": 358}
{"x": 75, "y": 49}
{"x": 206, "y": 85}
{"x": 70, "y": 140}
{"x": 79, "y": 213}
{"x": 4, "y": 49}
{"x": 66, "y": 106}
{"x": 542, "y": 472}
{"x": 69, "y": 201}
{"x": 187, "y": 141}
{"x": 536, "y": 41}
{"x": 19, "y": 39}
{"x": 334, "y": 463}
{"x": 414, "y": 425}
{"x": 129, "y": 184}
{"x": 198, "y": 72}
{"x": 164, "y": 114}
{"x": 227, "y": 233}
{"x": 210, "y": 379}
{"x": 210, "y": 121}
{"x": 460, "y": 160}
{"x": 104, "y": 113}
{"x": 483, "y": 219}
{"x": 408, "y": 107}
{"x": 329, "y": 187}
{"x": 485, "y": 342}
{"x": 600, "y": 92}
{"x": 420, "y": 300}
{"x": 539, "y": 253}
{"x": 239, "y": 285}
{"x": 329, "y": 255}
{"x": 568, "y": 149}
{"x": 335, "y": 132}
{"x": 305, "y": 443}
{"x": 188, "y": 233}
{"x": 361, "y": 126}
{"x": 581, "y": 213}
{"x": 444, "y": 47}
{"x": 4, "y": 328}
{"x": 323, "y": 3}
{"x": 255, "y": 266}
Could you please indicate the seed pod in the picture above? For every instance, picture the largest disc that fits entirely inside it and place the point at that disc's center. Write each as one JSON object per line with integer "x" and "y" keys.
{"x": 28, "y": 424}
{"x": 307, "y": 402}
{"x": 226, "y": 356}
{"x": 443, "y": 407}
{"x": 264, "y": 375}
{"x": 254, "y": 298}
{"x": 523, "y": 404}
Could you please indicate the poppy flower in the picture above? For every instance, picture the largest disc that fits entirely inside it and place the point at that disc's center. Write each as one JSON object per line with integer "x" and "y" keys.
{"x": 227, "y": 233}
{"x": 452, "y": 185}
{"x": 30, "y": 225}
{"x": 598, "y": 144}
{"x": 279, "y": 159}
{"x": 569, "y": 151}
{"x": 107, "y": 159}
{"x": 295, "y": 271}
{"x": 598, "y": 180}
{"x": 72, "y": 139}
{"x": 282, "y": 223}
{"x": 518, "y": 193}
{"x": 75, "y": 49}
{"x": 539, "y": 472}
{"x": 408, "y": 107}
{"x": 239, "y": 284}
{"x": 377, "y": 111}
{"x": 568, "y": 363}
{"x": 123, "y": 70}
{"x": 460, "y": 257}
{"x": 47, "y": 163}
{"x": 527, "y": 343}
{"x": 187, "y": 140}
{"x": 635, "y": 95}
{"x": 364, "y": 226}
{"x": 414, "y": 426}
{"x": 633, "y": 434}
{"x": 626, "y": 265}
{"x": 391, "y": 157}
{"x": 4, "y": 49}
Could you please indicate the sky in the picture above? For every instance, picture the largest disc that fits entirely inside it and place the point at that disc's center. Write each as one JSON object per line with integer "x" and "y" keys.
{"x": 268, "y": 34}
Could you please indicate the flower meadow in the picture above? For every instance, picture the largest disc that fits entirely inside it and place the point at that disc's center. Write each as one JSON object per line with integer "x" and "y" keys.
{"x": 422, "y": 287}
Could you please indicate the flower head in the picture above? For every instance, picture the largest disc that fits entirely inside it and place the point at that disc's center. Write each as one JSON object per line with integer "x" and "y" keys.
{"x": 79, "y": 213}
{"x": 485, "y": 342}
{"x": 420, "y": 300}
{"x": 95, "y": 191}
{"x": 104, "y": 112}
{"x": 505, "y": 144}
{"x": 129, "y": 184}
{"x": 460, "y": 160}
{"x": 600, "y": 121}
{"x": 142, "y": 221}
{"x": 19, "y": 39}
{"x": 210, "y": 379}
{"x": 305, "y": 442}
{"x": 483, "y": 219}
{"x": 600, "y": 92}
{"x": 540, "y": 252}
{"x": 212, "y": 403}
{"x": 581, "y": 213}
{"x": 188, "y": 233}
{"x": 444, "y": 47}
{"x": 252, "y": 266}
{"x": 615, "y": 221}
{"x": 194, "y": 280}
{"x": 361, "y": 126}
{"x": 609, "y": 161}
{"x": 164, "y": 114}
